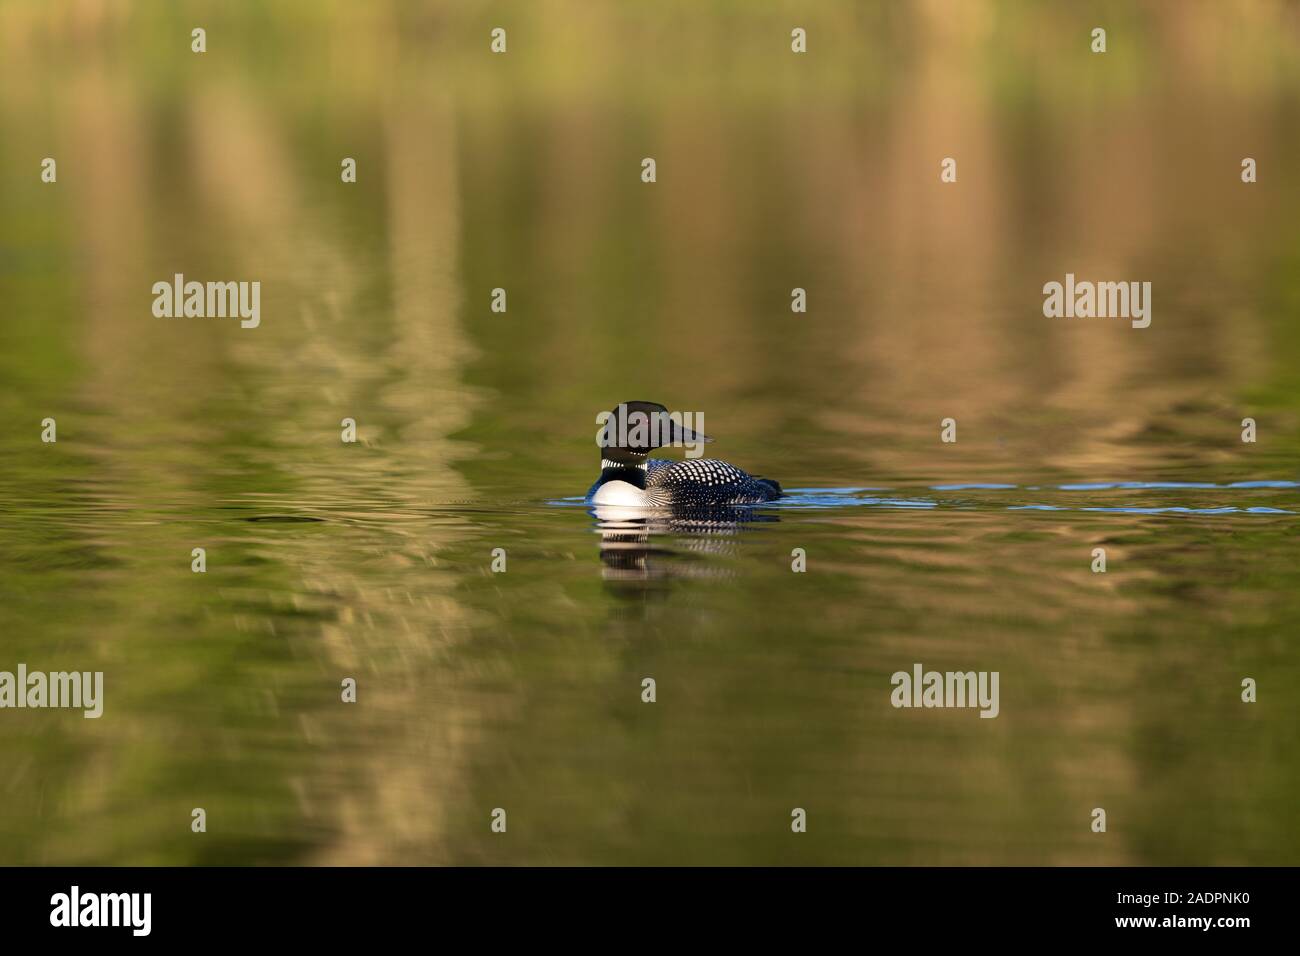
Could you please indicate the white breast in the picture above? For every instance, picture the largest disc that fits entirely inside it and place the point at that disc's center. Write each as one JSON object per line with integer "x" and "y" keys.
{"x": 620, "y": 494}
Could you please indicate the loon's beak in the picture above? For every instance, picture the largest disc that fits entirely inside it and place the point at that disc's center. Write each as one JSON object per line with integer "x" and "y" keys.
{"x": 685, "y": 436}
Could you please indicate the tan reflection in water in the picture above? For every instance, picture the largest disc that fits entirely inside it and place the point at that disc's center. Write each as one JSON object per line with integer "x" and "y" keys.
{"x": 398, "y": 815}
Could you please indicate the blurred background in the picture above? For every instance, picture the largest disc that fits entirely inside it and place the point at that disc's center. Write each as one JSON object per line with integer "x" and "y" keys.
{"x": 774, "y": 171}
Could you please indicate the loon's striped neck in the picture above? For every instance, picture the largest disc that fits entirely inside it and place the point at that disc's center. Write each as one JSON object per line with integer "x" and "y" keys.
{"x": 606, "y": 464}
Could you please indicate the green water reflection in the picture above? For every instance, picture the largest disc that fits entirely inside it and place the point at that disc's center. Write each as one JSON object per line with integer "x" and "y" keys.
{"x": 522, "y": 690}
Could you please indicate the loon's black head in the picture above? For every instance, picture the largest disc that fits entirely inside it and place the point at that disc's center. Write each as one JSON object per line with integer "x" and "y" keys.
{"x": 634, "y": 429}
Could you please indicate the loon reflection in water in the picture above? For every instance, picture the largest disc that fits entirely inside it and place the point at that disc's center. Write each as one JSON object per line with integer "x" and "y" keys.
{"x": 629, "y": 556}
{"x": 630, "y": 478}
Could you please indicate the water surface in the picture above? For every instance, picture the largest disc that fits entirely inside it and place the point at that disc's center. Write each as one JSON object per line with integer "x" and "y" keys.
{"x": 522, "y": 690}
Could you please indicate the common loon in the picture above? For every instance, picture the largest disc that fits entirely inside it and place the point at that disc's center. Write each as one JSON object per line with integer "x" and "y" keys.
{"x": 629, "y": 477}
